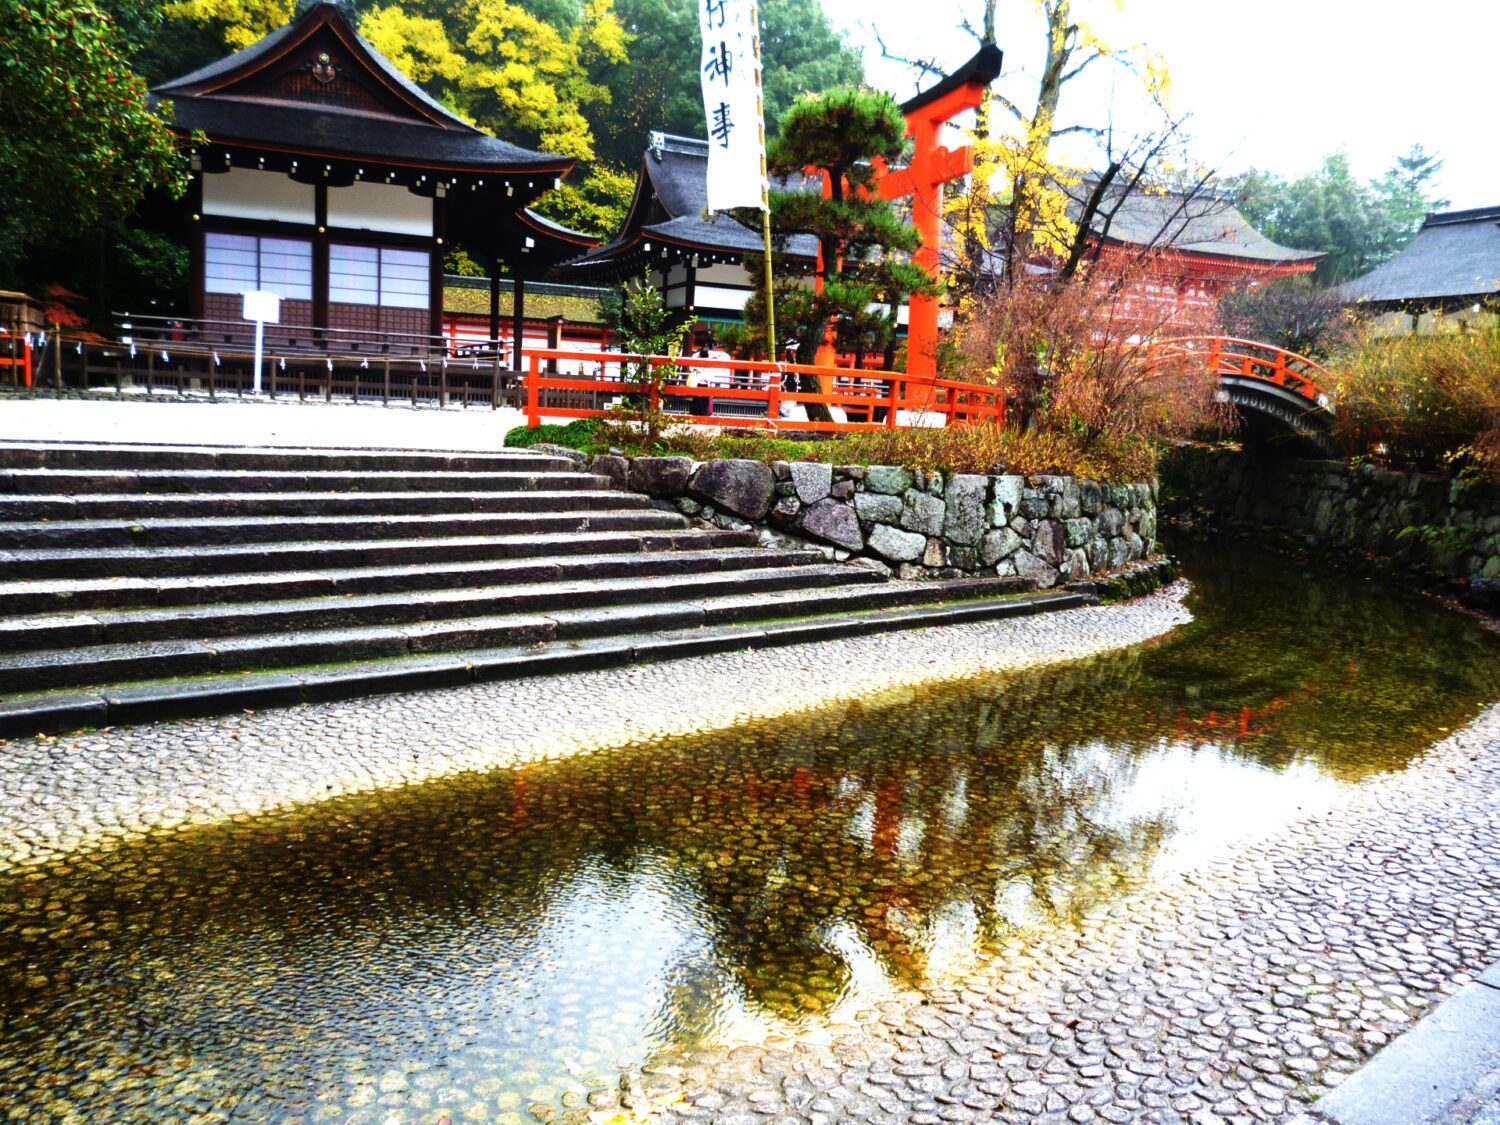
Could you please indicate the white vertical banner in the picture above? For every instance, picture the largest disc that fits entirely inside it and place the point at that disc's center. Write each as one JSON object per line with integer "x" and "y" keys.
{"x": 731, "y": 103}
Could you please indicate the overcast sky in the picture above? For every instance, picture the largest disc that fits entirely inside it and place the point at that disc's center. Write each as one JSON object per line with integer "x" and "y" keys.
{"x": 1275, "y": 84}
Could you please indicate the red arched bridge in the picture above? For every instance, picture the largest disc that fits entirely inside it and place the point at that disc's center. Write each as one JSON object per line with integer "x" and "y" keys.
{"x": 1276, "y": 391}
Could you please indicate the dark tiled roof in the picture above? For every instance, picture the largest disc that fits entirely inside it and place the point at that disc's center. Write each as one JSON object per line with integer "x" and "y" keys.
{"x": 675, "y": 172}
{"x": 1201, "y": 225}
{"x": 291, "y": 126}
{"x": 1455, "y": 254}
{"x": 430, "y": 134}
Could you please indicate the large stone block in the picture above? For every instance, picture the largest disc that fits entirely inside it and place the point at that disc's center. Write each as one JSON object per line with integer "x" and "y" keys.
{"x": 890, "y": 479}
{"x": 877, "y": 507}
{"x": 922, "y": 513}
{"x": 998, "y": 544}
{"x": 1006, "y": 499}
{"x": 898, "y": 546}
{"x": 1062, "y": 496}
{"x": 1048, "y": 541}
{"x": 813, "y": 480}
{"x": 739, "y": 486}
{"x": 1078, "y": 531}
{"x": 1029, "y": 566}
{"x": 966, "y": 518}
{"x": 833, "y": 523}
{"x": 661, "y": 476}
{"x": 613, "y": 468}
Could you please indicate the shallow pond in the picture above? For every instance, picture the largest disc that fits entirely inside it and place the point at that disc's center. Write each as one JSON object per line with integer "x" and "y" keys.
{"x": 480, "y": 945}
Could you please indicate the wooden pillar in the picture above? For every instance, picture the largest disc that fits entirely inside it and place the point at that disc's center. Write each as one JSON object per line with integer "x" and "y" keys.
{"x": 554, "y": 340}
{"x": 517, "y": 318}
{"x": 195, "y": 249}
{"x": 494, "y": 300}
{"x": 320, "y": 262}
{"x": 439, "y": 248}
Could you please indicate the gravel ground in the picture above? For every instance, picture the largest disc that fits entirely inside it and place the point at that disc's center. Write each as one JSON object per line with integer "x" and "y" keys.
{"x": 70, "y": 792}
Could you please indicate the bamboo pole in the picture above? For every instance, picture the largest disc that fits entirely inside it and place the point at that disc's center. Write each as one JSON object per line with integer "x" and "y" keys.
{"x": 765, "y": 187}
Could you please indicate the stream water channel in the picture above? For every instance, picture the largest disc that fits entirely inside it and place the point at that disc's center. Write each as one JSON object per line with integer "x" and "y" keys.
{"x": 482, "y": 944}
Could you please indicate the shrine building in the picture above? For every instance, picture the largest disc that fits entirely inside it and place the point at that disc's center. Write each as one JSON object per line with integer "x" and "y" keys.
{"x": 1193, "y": 249}
{"x": 668, "y": 238}
{"x": 324, "y": 175}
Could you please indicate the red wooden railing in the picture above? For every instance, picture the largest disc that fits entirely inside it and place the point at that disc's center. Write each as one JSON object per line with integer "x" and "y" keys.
{"x": 1250, "y": 359}
{"x": 15, "y": 357}
{"x": 718, "y": 392}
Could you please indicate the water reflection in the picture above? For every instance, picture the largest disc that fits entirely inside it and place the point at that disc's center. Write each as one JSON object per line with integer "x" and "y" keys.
{"x": 487, "y": 943}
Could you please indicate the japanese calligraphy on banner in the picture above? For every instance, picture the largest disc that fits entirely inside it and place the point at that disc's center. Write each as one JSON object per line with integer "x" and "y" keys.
{"x": 731, "y": 103}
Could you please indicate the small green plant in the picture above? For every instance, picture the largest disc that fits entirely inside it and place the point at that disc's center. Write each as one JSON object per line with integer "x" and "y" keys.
{"x": 1449, "y": 540}
{"x": 646, "y": 328}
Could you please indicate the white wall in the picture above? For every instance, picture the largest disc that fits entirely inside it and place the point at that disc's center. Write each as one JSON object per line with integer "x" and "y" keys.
{"x": 248, "y": 193}
{"x": 381, "y": 207}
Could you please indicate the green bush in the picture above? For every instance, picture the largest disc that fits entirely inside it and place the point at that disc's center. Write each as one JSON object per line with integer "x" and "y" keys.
{"x": 578, "y": 434}
{"x": 1428, "y": 402}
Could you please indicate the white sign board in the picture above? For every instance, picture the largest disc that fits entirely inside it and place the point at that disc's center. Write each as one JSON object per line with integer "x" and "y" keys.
{"x": 731, "y": 102}
{"x": 262, "y": 306}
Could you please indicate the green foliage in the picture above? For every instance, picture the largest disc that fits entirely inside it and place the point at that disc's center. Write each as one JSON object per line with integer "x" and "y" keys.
{"x": 1358, "y": 224}
{"x": 594, "y": 203}
{"x": 79, "y": 144}
{"x": 658, "y": 87}
{"x": 578, "y": 434}
{"x": 646, "y": 328}
{"x": 1430, "y": 402}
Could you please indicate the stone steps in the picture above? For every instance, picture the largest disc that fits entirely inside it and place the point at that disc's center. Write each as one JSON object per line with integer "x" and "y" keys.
{"x": 340, "y": 611}
{"x": 155, "y": 580}
{"x": 117, "y": 457}
{"x": 257, "y": 558}
{"x": 64, "y": 595}
{"x": 201, "y": 692}
{"x": 145, "y": 508}
{"x": 96, "y": 482}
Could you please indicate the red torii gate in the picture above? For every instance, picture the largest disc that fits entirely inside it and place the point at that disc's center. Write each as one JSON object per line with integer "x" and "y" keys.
{"x": 932, "y": 165}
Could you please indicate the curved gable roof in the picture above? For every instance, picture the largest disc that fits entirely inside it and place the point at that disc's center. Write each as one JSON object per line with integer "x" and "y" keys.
{"x": 253, "y": 96}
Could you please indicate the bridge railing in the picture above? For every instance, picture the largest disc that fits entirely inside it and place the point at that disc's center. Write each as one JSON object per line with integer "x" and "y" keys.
{"x": 1251, "y": 359}
{"x": 750, "y": 393}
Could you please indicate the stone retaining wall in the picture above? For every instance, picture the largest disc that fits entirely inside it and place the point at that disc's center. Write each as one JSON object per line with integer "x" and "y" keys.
{"x": 909, "y": 523}
{"x": 1361, "y": 513}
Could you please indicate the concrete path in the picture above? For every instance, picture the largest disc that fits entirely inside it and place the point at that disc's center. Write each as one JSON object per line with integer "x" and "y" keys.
{"x": 168, "y": 419}
{"x": 1445, "y": 1071}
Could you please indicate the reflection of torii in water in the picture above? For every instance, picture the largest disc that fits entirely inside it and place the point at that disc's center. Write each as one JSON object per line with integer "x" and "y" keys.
{"x": 932, "y": 165}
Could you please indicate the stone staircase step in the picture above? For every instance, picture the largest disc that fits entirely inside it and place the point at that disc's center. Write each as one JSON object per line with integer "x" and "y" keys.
{"x": 19, "y": 634}
{"x": 304, "y": 555}
{"x": 61, "y": 595}
{"x": 155, "y": 482}
{"x": 141, "y": 508}
{"x": 17, "y": 535}
{"x": 47, "y": 711}
{"x": 738, "y": 608}
{"x": 90, "y": 455}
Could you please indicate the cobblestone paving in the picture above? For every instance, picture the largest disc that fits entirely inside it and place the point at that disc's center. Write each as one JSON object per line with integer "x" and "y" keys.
{"x": 1236, "y": 992}
{"x": 69, "y": 792}
{"x": 1232, "y": 994}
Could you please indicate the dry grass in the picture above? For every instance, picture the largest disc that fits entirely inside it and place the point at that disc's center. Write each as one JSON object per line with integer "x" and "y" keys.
{"x": 1430, "y": 403}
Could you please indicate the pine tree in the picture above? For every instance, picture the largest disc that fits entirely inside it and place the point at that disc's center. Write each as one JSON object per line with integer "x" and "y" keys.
{"x": 865, "y": 275}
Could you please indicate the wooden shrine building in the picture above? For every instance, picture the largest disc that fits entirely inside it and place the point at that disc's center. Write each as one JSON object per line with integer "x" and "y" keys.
{"x": 326, "y": 176}
{"x": 668, "y": 238}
